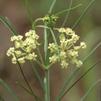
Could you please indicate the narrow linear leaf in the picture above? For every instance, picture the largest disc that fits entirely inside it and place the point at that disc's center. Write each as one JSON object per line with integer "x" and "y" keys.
{"x": 7, "y": 24}
{"x": 66, "y": 10}
{"x": 82, "y": 15}
{"x": 52, "y": 6}
{"x": 67, "y": 15}
{"x": 82, "y": 76}
{"x": 66, "y": 83}
{"x": 28, "y": 5}
{"x": 89, "y": 90}
{"x": 23, "y": 87}
{"x": 92, "y": 51}
{"x": 53, "y": 36}
{"x": 9, "y": 90}
{"x": 42, "y": 26}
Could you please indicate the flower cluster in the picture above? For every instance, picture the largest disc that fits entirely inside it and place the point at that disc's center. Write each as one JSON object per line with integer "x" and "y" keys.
{"x": 66, "y": 52}
{"x": 50, "y": 20}
{"x": 23, "y": 49}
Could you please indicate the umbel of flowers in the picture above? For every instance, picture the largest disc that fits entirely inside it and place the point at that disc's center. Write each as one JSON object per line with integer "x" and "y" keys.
{"x": 65, "y": 51}
{"x": 24, "y": 49}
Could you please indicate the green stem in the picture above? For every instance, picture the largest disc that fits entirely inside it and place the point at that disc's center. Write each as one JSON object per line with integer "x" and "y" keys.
{"x": 46, "y": 78}
{"x": 40, "y": 56}
{"x": 45, "y": 44}
{"x": 47, "y": 85}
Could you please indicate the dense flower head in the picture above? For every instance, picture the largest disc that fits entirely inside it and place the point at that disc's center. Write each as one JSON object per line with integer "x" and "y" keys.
{"x": 24, "y": 49}
{"x": 66, "y": 52}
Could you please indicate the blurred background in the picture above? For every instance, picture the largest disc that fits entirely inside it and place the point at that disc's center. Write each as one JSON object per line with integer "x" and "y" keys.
{"x": 89, "y": 29}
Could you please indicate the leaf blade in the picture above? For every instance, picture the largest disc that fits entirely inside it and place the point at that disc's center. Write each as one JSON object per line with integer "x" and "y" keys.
{"x": 8, "y": 89}
{"x": 7, "y": 24}
{"x": 89, "y": 90}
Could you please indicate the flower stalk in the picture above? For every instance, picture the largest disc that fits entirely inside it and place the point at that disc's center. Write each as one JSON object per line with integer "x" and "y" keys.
{"x": 47, "y": 85}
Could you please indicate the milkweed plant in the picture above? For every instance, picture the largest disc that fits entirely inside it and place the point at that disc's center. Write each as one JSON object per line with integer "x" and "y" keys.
{"x": 63, "y": 49}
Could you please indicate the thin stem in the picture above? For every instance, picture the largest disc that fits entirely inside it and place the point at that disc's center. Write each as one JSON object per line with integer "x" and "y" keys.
{"x": 40, "y": 64}
{"x": 23, "y": 87}
{"x": 35, "y": 22}
{"x": 54, "y": 38}
{"x": 47, "y": 85}
{"x": 40, "y": 56}
{"x": 46, "y": 78}
{"x": 45, "y": 43}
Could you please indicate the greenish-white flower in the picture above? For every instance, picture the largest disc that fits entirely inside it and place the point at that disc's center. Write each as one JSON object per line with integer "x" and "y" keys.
{"x": 66, "y": 52}
{"x": 24, "y": 49}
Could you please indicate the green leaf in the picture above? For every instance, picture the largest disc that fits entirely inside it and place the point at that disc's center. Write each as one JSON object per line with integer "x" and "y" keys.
{"x": 28, "y": 6}
{"x": 83, "y": 13}
{"x": 82, "y": 76}
{"x": 23, "y": 87}
{"x": 67, "y": 15}
{"x": 7, "y": 24}
{"x": 92, "y": 51}
{"x": 53, "y": 36}
{"x": 9, "y": 90}
{"x": 67, "y": 10}
{"x": 89, "y": 90}
{"x": 52, "y": 6}
{"x": 66, "y": 83}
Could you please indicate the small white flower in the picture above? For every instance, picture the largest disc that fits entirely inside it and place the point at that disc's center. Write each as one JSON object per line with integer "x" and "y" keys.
{"x": 14, "y": 60}
{"x": 21, "y": 60}
{"x": 16, "y": 37}
{"x": 83, "y": 45}
{"x": 31, "y": 56}
{"x": 24, "y": 49}
{"x": 52, "y": 47}
{"x": 64, "y": 64}
{"x": 10, "y": 51}
{"x": 53, "y": 58}
{"x": 66, "y": 52}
